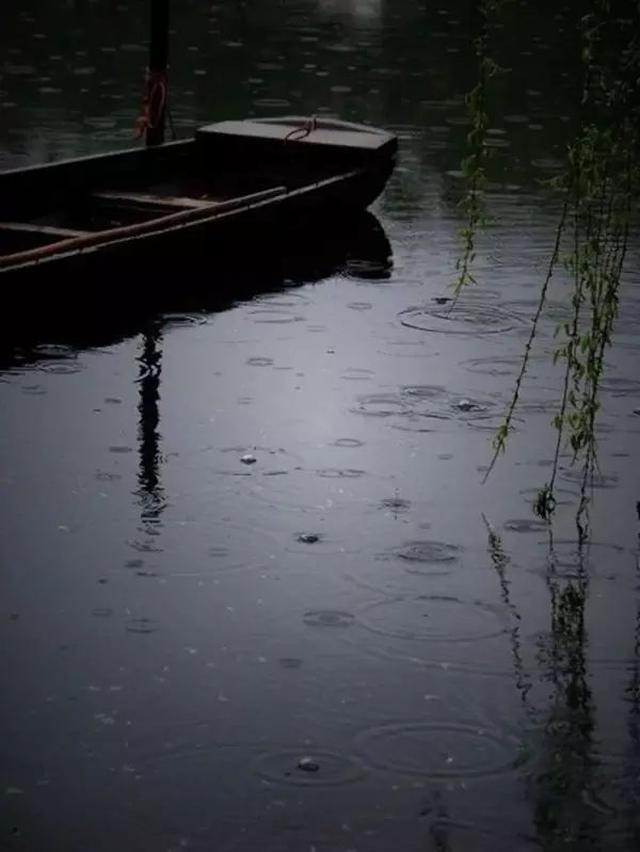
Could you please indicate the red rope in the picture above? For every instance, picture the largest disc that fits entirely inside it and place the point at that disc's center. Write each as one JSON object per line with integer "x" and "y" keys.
{"x": 154, "y": 100}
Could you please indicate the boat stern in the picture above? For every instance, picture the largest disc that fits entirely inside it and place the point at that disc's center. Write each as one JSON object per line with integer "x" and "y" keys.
{"x": 304, "y": 146}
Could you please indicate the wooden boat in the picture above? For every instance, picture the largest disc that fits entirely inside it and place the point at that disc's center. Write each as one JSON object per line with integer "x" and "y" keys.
{"x": 228, "y": 186}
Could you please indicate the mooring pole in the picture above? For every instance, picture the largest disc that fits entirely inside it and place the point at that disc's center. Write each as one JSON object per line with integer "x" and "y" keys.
{"x": 157, "y": 87}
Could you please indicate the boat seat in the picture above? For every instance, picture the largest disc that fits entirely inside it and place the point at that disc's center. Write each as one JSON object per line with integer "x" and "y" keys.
{"x": 147, "y": 199}
{"x": 175, "y": 203}
{"x": 42, "y": 230}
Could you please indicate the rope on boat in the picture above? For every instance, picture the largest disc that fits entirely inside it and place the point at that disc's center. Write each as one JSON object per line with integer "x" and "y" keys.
{"x": 301, "y": 132}
{"x": 154, "y": 100}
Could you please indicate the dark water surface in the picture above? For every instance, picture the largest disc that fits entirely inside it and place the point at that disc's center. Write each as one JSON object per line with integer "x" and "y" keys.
{"x": 239, "y": 535}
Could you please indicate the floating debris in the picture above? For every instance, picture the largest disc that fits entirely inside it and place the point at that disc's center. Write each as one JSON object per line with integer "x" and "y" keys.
{"x": 248, "y": 458}
{"x": 308, "y": 538}
{"x": 308, "y": 764}
{"x": 290, "y": 662}
{"x": 328, "y": 618}
{"x": 395, "y": 504}
{"x": 466, "y": 405}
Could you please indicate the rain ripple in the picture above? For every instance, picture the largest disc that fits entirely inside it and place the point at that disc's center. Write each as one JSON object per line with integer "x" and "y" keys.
{"x": 438, "y": 750}
{"x": 415, "y": 403}
{"x": 436, "y": 618}
{"x": 465, "y": 317}
{"x": 427, "y": 558}
{"x": 297, "y": 769}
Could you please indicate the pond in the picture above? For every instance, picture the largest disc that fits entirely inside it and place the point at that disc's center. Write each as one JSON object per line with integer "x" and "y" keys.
{"x": 253, "y": 595}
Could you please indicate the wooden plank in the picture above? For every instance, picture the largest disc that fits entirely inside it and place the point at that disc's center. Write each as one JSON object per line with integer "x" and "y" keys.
{"x": 45, "y": 230}
{"x": 144, "y": 198}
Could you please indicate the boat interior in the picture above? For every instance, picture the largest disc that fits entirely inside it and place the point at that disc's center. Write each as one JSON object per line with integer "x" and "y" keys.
{"x": 215, "y": 172}
{"x": 117, "y": 199}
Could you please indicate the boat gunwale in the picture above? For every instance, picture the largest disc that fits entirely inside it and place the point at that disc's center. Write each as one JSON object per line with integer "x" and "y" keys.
{"x": 95, "y": 159}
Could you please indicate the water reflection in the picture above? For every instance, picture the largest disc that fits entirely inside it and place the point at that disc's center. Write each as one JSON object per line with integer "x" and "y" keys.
{"x": 569, "y": 811}
{"x": 575, "y": 804}
{"x": 501, "y": 562}
{"x": 150, "y": 491}
{"x": 631, "y": 761}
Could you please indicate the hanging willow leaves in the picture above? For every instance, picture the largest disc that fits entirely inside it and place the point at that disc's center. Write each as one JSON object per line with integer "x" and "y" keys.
{"x": 473, "y": 165}
{"x": 599, "y": 190}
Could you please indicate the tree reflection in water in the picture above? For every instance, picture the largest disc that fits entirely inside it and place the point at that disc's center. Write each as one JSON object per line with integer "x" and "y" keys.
{"x": 567, "y": 786}
{"x": 570, "y": 810}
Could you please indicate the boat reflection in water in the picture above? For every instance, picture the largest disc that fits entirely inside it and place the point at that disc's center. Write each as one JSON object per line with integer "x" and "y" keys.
{"x": 119, "y": 302}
